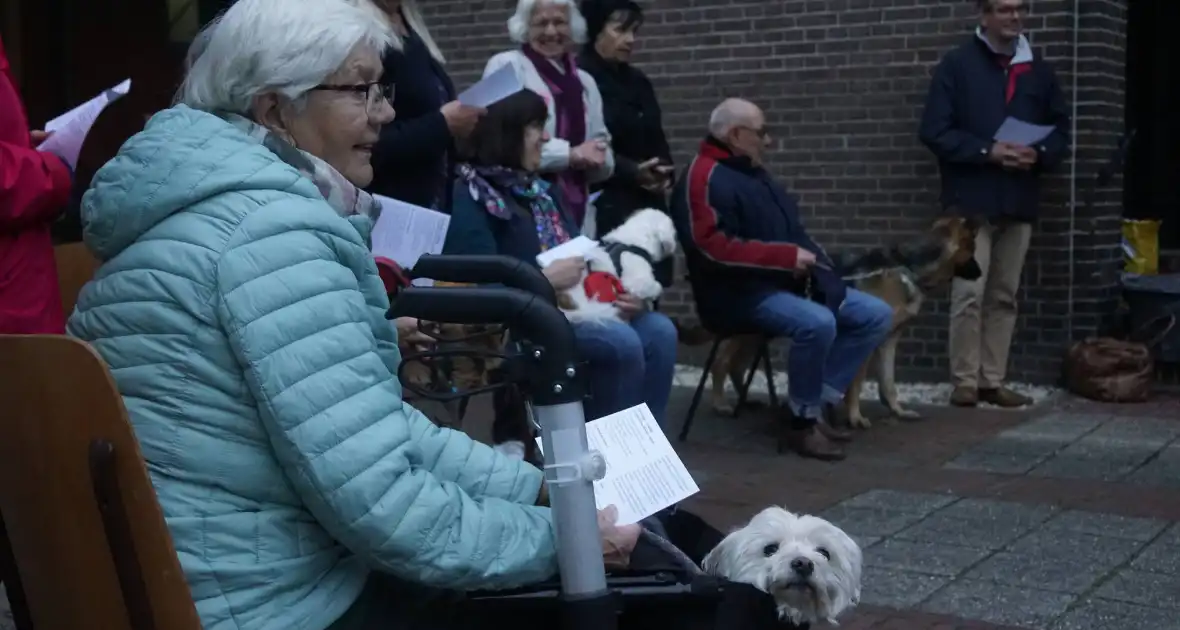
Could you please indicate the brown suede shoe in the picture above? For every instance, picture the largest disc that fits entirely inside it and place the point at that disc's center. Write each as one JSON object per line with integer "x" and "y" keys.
{"x": 1004, "y": 397}
{"x": 965, "y": 396}
{"x": 811, "y": 443}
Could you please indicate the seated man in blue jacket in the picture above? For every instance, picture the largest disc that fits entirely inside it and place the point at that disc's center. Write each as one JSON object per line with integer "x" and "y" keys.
{"x": 990, "y": 77}
{"x": 754, "y": 267}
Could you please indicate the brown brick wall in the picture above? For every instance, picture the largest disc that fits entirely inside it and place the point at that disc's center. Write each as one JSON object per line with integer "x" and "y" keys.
{"x": 842, "y": 83}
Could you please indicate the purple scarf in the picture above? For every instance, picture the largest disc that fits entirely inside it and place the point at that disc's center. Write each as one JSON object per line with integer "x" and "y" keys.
{"x": 570, "y": 110}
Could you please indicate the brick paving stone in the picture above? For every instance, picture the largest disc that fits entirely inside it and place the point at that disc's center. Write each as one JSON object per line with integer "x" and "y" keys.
{"x": 1001, "y": 604}
{"x": 1141, "y": 529}
{"x": 1145, "y": 589}
{"x": 1104, "y": 614}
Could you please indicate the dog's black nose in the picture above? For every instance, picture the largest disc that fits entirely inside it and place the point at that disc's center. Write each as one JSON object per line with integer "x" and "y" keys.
{"x": 803, "y": 567}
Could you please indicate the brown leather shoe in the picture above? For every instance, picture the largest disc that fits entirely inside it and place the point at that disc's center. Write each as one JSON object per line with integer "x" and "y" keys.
{"x": 832, "y": 433}
{"x": 1004, "y": 397}
{"x": 965, "y": 396}
{"x": 811, "y": 443}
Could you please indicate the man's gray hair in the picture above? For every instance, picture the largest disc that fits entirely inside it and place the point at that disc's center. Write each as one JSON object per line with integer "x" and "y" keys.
{"x": 518, "y": 24}
{"x": 729, "y": 114}
{"x": 276, "y": 46}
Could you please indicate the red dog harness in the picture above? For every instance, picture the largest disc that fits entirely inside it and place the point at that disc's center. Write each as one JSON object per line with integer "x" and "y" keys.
{"x": 603, "y": 287}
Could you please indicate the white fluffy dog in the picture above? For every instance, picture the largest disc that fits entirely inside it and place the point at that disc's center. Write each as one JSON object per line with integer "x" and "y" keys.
{"x": 811, "y": 567}
{"x": 628, "y": 253}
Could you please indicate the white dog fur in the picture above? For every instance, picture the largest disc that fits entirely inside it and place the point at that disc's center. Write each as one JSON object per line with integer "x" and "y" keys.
{"x": 648, "y": 229}
{"x": 773, "y": 553}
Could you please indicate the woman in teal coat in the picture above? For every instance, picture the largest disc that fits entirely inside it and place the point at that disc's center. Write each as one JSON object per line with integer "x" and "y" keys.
{"x": 241, "y": 314}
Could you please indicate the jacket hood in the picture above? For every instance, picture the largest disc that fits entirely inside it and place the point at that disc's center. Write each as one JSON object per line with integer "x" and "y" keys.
{"x": 182, "y": 157}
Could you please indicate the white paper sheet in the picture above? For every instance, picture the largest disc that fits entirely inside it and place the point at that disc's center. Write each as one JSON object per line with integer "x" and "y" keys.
{"x": 71, "y": 128}
{"x": 404, "y": 232}
{"x": 495, "y": 87}
{"x": 1016, "y": 131}
{"x": 573, "y": 248}
{"x": 643, "y": 472}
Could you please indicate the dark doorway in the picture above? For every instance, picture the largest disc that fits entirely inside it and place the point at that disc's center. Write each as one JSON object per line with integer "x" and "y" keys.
{"x": 1152, "y": 182}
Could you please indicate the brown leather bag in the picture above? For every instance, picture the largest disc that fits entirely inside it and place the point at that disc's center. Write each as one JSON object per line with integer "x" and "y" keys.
{"x": 1112, "y": 370}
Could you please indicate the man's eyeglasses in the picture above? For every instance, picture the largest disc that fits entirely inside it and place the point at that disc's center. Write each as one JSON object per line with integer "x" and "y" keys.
{"x": 761, "y": 132}
{"x": 374, "y": 93}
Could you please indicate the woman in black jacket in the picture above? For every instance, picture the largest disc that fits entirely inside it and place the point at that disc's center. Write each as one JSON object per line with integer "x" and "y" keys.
{"x": 643, "y": 161}
{"x": 414, "y": 158}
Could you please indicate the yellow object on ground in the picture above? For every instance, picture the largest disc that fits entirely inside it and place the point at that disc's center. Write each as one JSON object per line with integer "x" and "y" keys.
{"x": 1141, "y": 246}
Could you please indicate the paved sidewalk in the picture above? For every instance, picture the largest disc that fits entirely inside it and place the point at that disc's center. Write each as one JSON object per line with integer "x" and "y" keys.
{"x": 1063, "y": 517}
{"x": 1057, "y": 518}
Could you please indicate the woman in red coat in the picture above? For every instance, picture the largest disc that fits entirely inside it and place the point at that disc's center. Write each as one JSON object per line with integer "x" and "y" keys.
{"x": 34, "y": 189}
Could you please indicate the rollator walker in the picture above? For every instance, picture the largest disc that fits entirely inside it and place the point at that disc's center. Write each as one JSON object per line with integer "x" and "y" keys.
{"x": 547, "y": 370}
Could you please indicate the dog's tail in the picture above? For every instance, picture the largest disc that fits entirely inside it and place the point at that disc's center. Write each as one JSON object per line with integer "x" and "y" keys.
{"x": 695, "y": 335}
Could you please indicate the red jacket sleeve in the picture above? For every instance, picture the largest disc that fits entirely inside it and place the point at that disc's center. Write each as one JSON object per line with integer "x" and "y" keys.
{"x": 705, "y": 220}
{"x": 34, "y": 186}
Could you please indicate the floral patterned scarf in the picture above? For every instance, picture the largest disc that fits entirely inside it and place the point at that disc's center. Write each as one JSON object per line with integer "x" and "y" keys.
{"x": 488, "y": 184}
{"x": 345, "y": 198}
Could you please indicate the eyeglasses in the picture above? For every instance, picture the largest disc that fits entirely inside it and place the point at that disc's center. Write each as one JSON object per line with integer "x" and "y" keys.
{"x": 761, "y": 132}
{"x": 374, "y": 93}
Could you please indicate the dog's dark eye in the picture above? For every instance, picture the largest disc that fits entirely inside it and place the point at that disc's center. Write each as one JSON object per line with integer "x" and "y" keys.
{"x": 824, "y": 552}
{"x": 770, "y": 550}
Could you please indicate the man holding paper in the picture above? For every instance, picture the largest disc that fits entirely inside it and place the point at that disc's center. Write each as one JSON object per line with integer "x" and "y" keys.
{"x": 997, "y": 120}
{"x": 34, "y": 189}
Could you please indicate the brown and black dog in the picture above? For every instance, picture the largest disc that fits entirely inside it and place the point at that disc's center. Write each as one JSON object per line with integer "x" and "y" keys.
{"x": 902, "y": 276}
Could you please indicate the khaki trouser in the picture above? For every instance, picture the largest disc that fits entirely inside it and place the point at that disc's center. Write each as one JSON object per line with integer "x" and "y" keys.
{"x": 983, "y": 312}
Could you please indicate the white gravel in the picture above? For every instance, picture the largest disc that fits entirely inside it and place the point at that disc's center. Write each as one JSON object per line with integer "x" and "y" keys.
{"x": 907, "y": 393}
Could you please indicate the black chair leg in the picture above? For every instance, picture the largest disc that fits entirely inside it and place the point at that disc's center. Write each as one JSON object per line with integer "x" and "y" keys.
{"x": 11, "y": 580}
{"x": 696, "y": 396}
{"x": 770, "y": 391}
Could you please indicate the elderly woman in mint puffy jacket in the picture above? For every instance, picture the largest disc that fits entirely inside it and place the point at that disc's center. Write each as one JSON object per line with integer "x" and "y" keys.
{"x": 240, "y": 311}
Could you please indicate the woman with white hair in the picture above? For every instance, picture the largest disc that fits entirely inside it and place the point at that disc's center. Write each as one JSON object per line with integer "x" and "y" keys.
{"x": 578, "y": 151}
{"x": 242, "y": 317}
{"x": 414, "y": 159}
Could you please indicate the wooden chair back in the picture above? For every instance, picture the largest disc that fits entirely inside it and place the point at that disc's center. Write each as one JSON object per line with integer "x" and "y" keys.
{"x": 75, "y": 267}
{"x": 90, "y": 543}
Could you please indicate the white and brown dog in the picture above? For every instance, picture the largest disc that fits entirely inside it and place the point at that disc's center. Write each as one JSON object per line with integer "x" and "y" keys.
{"x": 623, "y": 262}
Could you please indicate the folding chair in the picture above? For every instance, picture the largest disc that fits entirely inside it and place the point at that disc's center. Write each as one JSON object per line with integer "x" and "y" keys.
{"x": 721, "y": 332}
{"x": 89, "y": 545}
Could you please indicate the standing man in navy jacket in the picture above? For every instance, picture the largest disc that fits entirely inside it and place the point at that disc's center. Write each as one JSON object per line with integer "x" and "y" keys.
{"x": 754, "y": 267}
{"x": 993, "y": 75}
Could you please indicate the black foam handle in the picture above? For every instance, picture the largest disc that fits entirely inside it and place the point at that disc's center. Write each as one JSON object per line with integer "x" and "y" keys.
{"x": 505, "y": 270}
{"x": 527, "y": 316}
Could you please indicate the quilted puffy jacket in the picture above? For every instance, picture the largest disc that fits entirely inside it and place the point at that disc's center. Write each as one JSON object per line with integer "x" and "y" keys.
{"x": 243, "y": 320}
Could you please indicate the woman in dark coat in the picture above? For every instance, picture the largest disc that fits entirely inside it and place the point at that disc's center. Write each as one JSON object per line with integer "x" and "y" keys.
{"x": 643, "y": 161}
{"x": 413, "y": 160}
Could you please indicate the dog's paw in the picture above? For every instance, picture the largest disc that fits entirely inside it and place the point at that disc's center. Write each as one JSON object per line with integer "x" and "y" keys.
{"x": 648, "y": 289}
{"x": 725, "y": 409}
{"x": 858, "y": 421}
{"x": 512, "y": 448}
{"x": 901, "y": 413}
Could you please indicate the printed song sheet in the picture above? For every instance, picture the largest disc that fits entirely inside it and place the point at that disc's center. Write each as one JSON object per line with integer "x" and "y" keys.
{"x": 495, "y": 87}
{"x": 71, "y": 128}
{"x": 578, "y": 246}
{"x": 643, "y": 472}
{"x": 1016, "y": 131}
{"x": 404, "y": 232}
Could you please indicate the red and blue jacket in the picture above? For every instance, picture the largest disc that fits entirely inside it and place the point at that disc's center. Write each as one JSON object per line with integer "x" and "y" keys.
{"x": 973, "y": 90}
{"x": 739, "y": 229}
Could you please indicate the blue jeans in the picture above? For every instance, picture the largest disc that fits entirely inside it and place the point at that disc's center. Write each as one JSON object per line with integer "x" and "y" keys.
{"x": 836, "y": 344}
{"x": 629, "y": 363}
